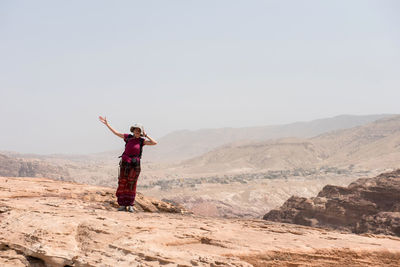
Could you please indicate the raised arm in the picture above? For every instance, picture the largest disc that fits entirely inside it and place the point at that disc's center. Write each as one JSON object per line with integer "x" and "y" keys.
{"x": 150, "y": 142}
{"x": 104, "y": 120}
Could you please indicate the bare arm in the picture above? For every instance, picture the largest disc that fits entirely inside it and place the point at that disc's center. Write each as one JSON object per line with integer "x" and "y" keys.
{"x": 104, "y": 120}
{"x": 150, "y": 142}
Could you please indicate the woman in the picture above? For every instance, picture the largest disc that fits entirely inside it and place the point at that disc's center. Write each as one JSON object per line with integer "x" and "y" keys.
{"x": 130, "y": 163}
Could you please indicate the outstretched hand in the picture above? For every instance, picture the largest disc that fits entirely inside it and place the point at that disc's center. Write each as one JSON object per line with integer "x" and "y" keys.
{"x": 103, "y": 120}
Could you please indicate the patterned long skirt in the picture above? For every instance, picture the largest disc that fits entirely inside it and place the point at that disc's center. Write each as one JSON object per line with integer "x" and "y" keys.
{"x": 127, "y": 180}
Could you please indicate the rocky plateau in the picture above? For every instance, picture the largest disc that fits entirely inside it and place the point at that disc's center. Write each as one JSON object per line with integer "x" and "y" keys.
{"x": 46, "y": 222}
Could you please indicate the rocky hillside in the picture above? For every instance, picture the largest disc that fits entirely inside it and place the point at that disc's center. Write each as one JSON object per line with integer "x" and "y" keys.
{"x": 180, "y": 145}
{"x": 18, "y": 167}
{"x": 374, "y": 145}
{"x": 52, "y": 223}
{"x": 371, "y": 146}
{"x": 369, "y": 205}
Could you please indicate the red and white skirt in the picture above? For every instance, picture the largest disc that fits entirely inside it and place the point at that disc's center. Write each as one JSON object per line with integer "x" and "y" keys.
{"x": 127, "y": 180}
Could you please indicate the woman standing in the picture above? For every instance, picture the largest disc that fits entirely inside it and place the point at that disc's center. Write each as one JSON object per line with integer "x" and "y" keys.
{"x": 130, "y": 163}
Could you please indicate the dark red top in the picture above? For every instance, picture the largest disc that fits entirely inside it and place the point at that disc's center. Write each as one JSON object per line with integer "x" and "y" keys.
{"x": 132, "y": 148}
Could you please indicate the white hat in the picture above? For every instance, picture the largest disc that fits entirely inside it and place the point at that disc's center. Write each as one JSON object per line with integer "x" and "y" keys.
{"x": 138, "y": 125}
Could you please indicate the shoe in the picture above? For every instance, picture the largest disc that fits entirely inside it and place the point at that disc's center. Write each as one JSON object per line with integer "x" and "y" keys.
{"x": 130, "y": 209}
{"x": 122, "y": 208}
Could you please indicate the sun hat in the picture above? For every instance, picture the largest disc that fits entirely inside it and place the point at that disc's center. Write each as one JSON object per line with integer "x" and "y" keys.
{"x": 138, "y": 125}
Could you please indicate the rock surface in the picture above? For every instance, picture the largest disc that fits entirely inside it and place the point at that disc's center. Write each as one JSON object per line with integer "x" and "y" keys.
{"x": 53, "y": 223}
{"x": 368, "y": 205}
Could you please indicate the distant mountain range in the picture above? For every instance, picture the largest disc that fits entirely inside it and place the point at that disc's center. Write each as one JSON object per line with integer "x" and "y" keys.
{"x": 373, "y": 145}
{"x": 366, "y": 141}
{"x": 181, "y": 145}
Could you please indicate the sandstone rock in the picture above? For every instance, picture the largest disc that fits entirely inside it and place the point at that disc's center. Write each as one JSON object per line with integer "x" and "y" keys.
{"x": 387, "y": 223}
{"x": 368, "y": 205}
{"x": 52, "y": 223}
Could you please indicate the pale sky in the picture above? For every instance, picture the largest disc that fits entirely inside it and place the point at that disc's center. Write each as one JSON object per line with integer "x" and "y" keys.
{"x": 185, "y": 64}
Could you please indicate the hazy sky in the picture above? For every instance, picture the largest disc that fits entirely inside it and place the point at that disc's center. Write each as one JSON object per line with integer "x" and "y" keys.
{"x": 188, "y": 65}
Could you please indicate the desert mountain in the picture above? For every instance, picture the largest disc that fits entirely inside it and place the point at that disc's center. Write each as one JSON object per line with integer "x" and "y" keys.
{"x": 54, "y": 223}
{"x": 186, "y": 144}
{"x": 229, "y": 150}
{"x": 374, "y": 145}
{"x": 370, "y": 146}
{"x": 370, "y": 205}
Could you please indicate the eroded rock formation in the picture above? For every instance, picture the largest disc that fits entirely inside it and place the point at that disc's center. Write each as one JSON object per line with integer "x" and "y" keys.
{"x": 368, "y": 205}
